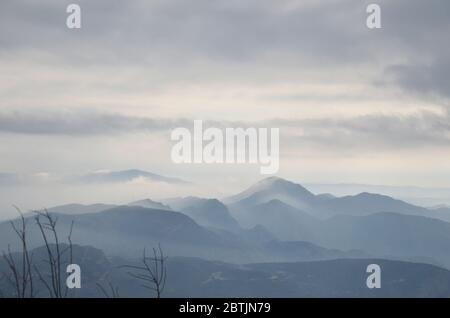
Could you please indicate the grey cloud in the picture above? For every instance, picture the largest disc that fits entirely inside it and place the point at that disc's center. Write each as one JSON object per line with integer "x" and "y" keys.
{"x": 214, "y": 29}
{"x": 370, "y": 132}
{"x": 117, "y": 30}
{"x": 90, "y": 123}
{"x": 166, "y": 37}
{"x": 344, "y": 97}
{"x": 387, "y": 131}
{"x": 419, "y": 31}
{"x": 80, "y": 123}
{"x": 431, "y": 80}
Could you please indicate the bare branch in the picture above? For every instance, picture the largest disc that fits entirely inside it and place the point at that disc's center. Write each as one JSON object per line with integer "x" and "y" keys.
{"x": 47, "y": 224}
{"x": 22, "y": 278}
{"x": 153, "y": 271}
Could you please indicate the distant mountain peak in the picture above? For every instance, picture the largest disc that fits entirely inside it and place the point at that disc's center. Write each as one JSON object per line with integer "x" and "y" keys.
{"x": 273, "y": 188}
{"x": 272, "y": 179}
{"x": 149, "y": 203}
{"x": 279, "y": 183}
{"x": 107, "y": 176}
{"x": 369, "y": 194}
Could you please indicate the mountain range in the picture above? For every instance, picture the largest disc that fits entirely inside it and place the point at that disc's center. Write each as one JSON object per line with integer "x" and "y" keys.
{"x": 275, "y": 222}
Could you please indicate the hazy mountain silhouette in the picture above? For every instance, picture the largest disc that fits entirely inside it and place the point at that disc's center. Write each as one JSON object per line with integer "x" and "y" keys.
{"x": 273, "y": 188}
{"x": 76, "y": 208}
{"x": 442, "y": 213}
{"x": 150, "y": 204}
{"x": 206, "y": 212}
{"x": 376, "y": 224}
{"x": 206, "y": 228}
{"x": 125, "y": 230}
{"x": 182, "y": 203}
{"x": 369, "y": 203}
{"x": 281, "y": 219}
{"x": 324, "y": 205}
{"x": 126, "y": 176}
{"x": 389, "y": 234}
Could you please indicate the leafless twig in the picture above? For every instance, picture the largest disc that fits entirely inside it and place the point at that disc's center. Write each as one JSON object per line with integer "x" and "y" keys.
{"x": 47, "y": 227}
{"x": 20, "y": 272}
{"x": 152, "y": 273}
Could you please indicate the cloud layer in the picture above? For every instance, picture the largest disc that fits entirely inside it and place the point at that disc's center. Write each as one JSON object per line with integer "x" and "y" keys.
{"x": 106, "y": 96}
{"x": 387, "y": 131}
{"x": 85, "y": 123}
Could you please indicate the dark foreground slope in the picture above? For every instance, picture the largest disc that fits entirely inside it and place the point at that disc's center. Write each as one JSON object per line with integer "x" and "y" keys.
{"x": 333, "y": 278}
{"x": 194, "y": 277}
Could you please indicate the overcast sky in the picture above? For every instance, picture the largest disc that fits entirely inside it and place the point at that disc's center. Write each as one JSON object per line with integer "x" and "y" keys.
{"x": 352, "y": 104}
